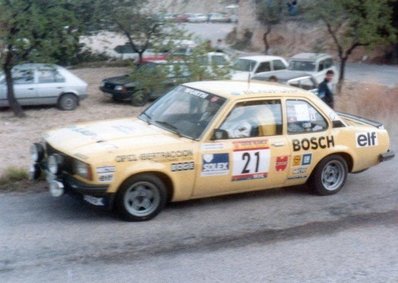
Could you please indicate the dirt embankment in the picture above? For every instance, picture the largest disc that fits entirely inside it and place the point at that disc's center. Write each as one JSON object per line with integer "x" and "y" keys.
{"x": 16, "y": 135}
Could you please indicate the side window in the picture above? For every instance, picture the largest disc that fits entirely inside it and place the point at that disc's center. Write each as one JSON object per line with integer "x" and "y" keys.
{"x": 328, "y": 63}
{"x": 218, "y": 60}
{"x": 254, "y": 119}
{"x": 264, "y": 67}
{"x": 303, "y": 118}
{"x": 321, "y": 66}
{"x": 23, "y": 77}
{"x": 278, "y": 65}
{"x": 49, "y": 76}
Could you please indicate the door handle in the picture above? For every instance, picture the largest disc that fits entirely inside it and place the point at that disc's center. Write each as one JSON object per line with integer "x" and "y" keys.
{"x": 278, "y": 144}
{"x": 31, "y": 88}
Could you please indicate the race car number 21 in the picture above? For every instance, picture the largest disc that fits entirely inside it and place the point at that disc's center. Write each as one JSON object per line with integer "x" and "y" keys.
{"x": 250, "y": 164}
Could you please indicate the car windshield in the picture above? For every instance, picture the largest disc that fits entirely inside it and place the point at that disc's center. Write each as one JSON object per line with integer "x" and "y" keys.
{"x": 185, "y": 111}
{"x": 306, "y": 66}
{"x": 244, "y": 65}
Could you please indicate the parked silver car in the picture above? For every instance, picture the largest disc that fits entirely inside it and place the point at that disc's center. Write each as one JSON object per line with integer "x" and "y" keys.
{"x": 44, "y": 84}
{"x": 294, "y": 78}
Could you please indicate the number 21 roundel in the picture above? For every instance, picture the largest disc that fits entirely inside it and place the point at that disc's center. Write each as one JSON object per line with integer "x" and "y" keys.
{"x": 250, "y": 163}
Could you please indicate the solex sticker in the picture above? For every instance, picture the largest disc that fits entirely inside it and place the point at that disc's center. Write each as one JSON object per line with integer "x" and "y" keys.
{"x": 215, "y": 164}
{"x": 366, "y": 139}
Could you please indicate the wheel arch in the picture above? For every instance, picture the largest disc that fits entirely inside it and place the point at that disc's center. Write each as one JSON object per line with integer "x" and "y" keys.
{"x": 347, "y": 157}
{"x": 167, "y": 181}
{"x": 68, "y": 92}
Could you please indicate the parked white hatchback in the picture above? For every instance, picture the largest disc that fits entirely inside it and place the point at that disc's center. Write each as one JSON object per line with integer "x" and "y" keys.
{"x": 44, "y": 84}
{"x": 245, "y": 67}
{"x": 316, "y": 64}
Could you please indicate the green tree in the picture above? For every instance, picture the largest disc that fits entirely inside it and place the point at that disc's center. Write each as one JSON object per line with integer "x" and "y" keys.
{"x": 269, "y": 13}
{"x": 35, "y": 30}
{"x": 355, "y": 23}
{"x": 128, "y": 17}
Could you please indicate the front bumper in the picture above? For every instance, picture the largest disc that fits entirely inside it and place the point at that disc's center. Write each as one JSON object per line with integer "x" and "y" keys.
{"x": 117, "y": 95}
{"x": 64, "y": 183}
{"x": 386, "y": 156}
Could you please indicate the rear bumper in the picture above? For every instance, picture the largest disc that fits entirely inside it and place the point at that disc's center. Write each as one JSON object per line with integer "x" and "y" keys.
{"x": 386, "y": 156}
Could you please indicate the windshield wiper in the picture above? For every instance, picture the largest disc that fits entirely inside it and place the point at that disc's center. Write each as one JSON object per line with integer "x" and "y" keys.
{"x": 169, "y": 126}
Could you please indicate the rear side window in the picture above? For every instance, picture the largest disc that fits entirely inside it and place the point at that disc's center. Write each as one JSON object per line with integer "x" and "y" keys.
{"x": 278, "y": 65}
{"x": 264, "y": 67}
{"x": 302, "y": 117}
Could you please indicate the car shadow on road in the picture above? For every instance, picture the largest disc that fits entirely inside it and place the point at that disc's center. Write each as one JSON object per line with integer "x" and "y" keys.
{"x": 268, "y": 195}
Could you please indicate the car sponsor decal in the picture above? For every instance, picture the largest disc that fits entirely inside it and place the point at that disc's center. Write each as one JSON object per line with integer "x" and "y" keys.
{"x": 251, "y": 160}
{"x": 281, "y": 163}
{"x": 196, "y": 92}
{"x": 105, "y": 177}
{"x": 366, "y": 139}
{"x": 215, "y": 164}
{"x": 105, "y": 173}
{"x": 299, "y": 171}
{"x": 157, "y": 156}
{"x": 212, "y": 146}
{"x": 105, "y": 169}
{"x": 297, "y": 160}
{"x": 307, "y": 159}
{"x": 313, "y": 143}
{"x": 182, "y": 166}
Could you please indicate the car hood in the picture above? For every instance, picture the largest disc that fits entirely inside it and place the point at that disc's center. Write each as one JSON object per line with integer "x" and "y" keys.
{"x": 110, "y": 136}
{"x": 240, "y": 75}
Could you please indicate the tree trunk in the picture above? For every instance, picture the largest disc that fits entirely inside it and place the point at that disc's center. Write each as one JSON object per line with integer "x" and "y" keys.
{"x": 140, "y": 57}
{"x": 14, "y": 105}
{"x": 265, "y": 40}
{"x": 340, "y": 82}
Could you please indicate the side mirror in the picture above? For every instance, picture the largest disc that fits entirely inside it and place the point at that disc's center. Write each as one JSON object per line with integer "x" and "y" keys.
{"x": 219, "y": 134}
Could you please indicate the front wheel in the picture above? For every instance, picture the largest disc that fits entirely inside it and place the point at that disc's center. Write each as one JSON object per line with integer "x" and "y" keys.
{"x": 141, "y": 198}
{"x": 329, "y": 175}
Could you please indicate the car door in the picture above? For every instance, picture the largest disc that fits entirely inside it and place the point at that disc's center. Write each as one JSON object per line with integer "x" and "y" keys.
{"x": 308, "y": 134}
{"x": 248, "y": 151}
{"x": 24, "y": 86}
{"x": 50, "y": 84}
{"x": 263, "y": 67}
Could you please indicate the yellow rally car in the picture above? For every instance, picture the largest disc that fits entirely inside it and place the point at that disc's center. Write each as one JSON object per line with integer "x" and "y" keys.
{"x": 206, "y": 139}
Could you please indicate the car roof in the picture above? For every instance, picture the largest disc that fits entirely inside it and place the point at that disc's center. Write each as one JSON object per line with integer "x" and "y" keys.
{"x": 311, "y": 56}
{"x": 36, "y": 66}
{"x": 261, "y": 58}
{"x": 283, "y": 75}
{"x": 239, "y": 89}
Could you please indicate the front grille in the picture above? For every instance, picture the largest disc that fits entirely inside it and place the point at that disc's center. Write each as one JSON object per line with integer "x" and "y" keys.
{"x": 67, "y": 164}
{"x": 109, "y": 86}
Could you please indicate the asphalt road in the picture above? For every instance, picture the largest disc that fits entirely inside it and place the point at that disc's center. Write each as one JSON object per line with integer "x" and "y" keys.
{"x": 271, "y": 236}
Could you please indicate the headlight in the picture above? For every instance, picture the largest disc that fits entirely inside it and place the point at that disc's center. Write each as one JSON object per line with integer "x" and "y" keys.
{"x": 37, "y": 152}
{"x": 82, "y": 169}
{"x": 102, "y": 84}
{"x": 119, "y": 88}
{"x": 54, "y": 163}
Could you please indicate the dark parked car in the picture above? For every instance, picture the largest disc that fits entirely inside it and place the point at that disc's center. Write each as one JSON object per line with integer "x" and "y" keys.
{"x": 131, "y": 88}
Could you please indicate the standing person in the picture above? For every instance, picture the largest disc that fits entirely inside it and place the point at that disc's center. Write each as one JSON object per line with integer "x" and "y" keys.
{"x": 325, "y": 89}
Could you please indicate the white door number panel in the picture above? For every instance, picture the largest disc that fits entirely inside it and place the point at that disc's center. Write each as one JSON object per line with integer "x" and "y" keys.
{"x": 250, "y": 164}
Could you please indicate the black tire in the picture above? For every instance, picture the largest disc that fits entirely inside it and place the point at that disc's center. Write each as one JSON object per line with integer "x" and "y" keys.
{"x": 329, "y": 175}
{"x": 141, "y": 198}
{"x": 68, "y": 102}
{"x": 140, "y": 97}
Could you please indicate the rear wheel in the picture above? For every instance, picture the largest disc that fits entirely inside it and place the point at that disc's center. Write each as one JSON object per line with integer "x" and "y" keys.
{"x": 329, "y": 175}
{"x": 68, "y": 102}
{"x": 140, "y": 97}
{"x": 141, "y": 198}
